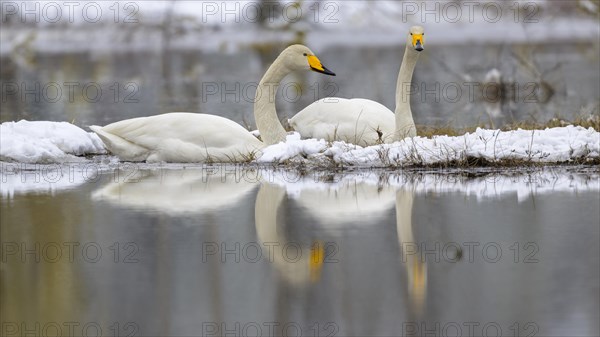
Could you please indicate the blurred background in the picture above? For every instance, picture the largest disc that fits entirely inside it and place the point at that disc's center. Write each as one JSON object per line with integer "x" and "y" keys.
{"x": 486, "y": 63}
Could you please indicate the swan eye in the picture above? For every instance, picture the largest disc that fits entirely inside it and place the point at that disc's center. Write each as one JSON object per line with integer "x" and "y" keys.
{"x": 305, "y": 54}
{"x": 411, "y": 33}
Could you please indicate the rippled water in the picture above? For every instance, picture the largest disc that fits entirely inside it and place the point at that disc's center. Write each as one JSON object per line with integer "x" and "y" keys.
{"x": 206, "y": 250}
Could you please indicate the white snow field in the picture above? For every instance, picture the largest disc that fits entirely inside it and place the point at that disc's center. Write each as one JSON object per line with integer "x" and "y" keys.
{"x": 556, "y": 145}
{"x": 46, "y": 142}
{"x": 59, "y": 142}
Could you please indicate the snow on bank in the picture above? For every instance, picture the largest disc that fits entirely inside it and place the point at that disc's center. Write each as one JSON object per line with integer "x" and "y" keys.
{"x": 556, "y": 145}
{"x": 59, "y": 142}
{"x": 46, "y": 142}
{"x": 293, "y": 147}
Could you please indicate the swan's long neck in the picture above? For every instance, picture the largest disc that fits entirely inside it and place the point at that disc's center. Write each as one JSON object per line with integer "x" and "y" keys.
{"x": 405, "y": 126}
{"x": 265, "y": 113}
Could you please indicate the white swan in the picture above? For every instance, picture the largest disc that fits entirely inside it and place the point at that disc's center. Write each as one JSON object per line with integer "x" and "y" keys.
{"x": 362, "y": 121}
{"x": 190, "y": 137}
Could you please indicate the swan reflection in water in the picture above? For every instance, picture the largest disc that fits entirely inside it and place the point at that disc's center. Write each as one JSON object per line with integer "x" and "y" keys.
{"x": 340, "y": 205}
{"x": 298, "y": 259}
{"x": 336, "y": 205}
{"x": 333, "y": 205}
{"x": 176, "y": 192}
{"x": 416, "y": 267}
{"x": 297, "y": 267}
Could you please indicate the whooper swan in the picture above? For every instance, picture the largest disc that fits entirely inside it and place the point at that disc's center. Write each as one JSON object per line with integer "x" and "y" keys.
{"x": 189, "y": 137}
{"x": 361, "y": 121}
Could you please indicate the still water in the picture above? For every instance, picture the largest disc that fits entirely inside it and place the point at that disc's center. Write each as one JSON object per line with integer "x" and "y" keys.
{"x": 237, "y": 251}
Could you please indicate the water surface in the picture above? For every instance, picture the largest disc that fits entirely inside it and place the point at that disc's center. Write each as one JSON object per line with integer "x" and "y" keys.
{"x": 202, "y": 250}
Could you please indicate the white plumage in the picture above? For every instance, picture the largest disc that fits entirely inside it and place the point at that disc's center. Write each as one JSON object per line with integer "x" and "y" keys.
{"x": 188, "y": 137}
{"x": 361, "y": 121}
{"x": 357, "y": 121}
{"x": 179, "y": 137}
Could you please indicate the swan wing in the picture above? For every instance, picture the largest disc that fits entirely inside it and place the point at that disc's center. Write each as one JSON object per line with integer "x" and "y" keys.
{"x": 179, "y": 137}
{"x": 358, "y": 121}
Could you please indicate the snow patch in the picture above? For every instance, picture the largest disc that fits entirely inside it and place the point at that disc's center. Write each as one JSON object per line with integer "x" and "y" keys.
{"x": 293, "y": 147}
{"x": 555, "y": 145}
{"x": 46, "y": 142}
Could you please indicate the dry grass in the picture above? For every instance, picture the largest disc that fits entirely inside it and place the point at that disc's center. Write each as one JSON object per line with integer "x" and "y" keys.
{"x": 429, "y": 131}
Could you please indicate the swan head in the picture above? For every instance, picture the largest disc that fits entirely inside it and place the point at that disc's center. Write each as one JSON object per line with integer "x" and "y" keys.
{"x": 299, "y": 57}
{"x": 416, "y": 38}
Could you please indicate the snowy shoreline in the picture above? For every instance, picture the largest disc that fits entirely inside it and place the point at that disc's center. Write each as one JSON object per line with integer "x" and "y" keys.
{"x": 61, "y": 142}
{"x": 570, "y": 144}
{"x": 46, "y": 142}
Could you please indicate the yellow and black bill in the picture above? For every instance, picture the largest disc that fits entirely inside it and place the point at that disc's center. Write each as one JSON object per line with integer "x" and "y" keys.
{"x": 315, "y": 65}
{"x": 418, "y": 42}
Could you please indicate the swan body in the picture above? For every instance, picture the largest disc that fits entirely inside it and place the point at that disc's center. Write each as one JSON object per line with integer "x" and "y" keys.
{"x": 357, "y": 121}
{"x": 188, "y": 137}
{"x": 179, "y": 137}
{"x": 361, "y": 121}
